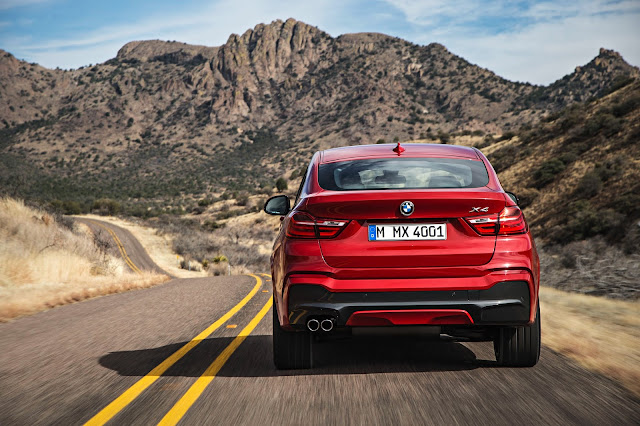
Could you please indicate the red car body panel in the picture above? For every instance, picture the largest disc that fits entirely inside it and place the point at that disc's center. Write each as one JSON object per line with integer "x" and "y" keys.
{"x": 350, "y": 263}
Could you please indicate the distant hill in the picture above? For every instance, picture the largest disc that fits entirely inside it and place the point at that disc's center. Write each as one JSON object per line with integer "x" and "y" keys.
{"x": 578, "y": 171}
{"x": 165, "y": 122}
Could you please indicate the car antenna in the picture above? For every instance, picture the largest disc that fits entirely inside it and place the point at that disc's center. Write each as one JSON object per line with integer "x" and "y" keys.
{"x": 398, "y": 149}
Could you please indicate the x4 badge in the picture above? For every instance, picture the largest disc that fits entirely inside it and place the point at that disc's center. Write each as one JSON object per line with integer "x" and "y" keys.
{"x": 479, "y": 209}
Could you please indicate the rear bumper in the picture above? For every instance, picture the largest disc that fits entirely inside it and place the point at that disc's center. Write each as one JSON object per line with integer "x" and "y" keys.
{"x": 502, "y": 303}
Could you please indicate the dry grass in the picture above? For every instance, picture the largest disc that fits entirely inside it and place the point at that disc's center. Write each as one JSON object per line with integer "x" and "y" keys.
{"x": 43, "y": 264}
{"x": 31, "y": 298}
{"x": 591, "y": 267}
{"x": 601, "y": 334}
{"x": 245, "y": 240}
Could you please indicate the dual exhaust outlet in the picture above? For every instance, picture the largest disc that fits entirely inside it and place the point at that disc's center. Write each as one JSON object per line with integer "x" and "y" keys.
{"x": 315, "y": 324}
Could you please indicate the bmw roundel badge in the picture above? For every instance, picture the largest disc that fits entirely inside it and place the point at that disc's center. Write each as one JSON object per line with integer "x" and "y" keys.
{"x": 406, "y": 208}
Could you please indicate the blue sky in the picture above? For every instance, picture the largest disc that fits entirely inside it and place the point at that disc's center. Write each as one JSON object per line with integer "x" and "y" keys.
{"x": 534, "y": 41}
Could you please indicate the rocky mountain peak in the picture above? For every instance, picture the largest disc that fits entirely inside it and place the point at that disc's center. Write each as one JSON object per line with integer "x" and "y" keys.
{"x": 596, "y": 77}
{"x": 611, "y": 60}
{"x": 269, "y": 49}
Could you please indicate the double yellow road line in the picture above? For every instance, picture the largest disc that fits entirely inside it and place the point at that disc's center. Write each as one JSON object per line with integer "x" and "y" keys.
{"x": 193, "y": 393}
{"x": 123, "y": 252}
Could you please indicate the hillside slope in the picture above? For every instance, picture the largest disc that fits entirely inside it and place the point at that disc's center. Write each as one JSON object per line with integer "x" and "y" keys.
{"x": 165, "y": 119}
{"x": 578, "y": 173}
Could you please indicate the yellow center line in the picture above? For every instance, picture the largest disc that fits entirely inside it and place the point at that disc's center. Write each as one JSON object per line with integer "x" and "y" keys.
{"x": 121, "y": 248}
{"x": 193, "y": 393}
{"x": 123, "y": 252}
{"x": 132, "y": 393}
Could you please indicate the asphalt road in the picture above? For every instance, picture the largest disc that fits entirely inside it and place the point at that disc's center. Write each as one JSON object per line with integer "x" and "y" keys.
{"x": 91, "y": 360}
{"x": 126, "y": 245}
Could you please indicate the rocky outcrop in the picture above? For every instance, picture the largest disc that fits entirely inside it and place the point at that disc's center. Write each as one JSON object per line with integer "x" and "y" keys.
{"x": 153, "y": 49}
{"x": 593, "y": 79}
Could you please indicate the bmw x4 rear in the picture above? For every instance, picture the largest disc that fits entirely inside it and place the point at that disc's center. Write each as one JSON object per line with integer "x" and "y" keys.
{"x": 399, "y": 236}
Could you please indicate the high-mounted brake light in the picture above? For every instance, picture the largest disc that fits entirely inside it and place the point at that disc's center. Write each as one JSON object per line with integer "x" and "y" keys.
{"x": 303, "y": 225}
{"x": 510, "y": 221}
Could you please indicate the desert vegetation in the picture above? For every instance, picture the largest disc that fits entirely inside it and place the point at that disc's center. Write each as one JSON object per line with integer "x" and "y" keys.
{"x": 46, "y": 261}
{"x": 577, "y": 173}
{"x": 222, "y": 240}
{"x": 601, "y": 334}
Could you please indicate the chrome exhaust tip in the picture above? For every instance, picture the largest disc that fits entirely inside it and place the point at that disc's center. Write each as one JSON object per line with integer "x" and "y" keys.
{"x": 327, "y": 325}
{"x": 313, "y": 324}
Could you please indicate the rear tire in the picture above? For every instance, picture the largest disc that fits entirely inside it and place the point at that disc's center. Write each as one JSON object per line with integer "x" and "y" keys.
{"x": 291, "y": 349}
{"x": 519, "y": 346}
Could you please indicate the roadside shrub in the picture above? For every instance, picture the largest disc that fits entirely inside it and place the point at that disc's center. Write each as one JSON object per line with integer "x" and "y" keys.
{"x": 628, "y": 204}
{"x": 66, "y": 207}
{"x": 106, "y": 206}
{"x": 631, "y": 240}
{"x": 506, "y": 136}
{"x": 190, "y": 265}
{"x": 242, "y": 199}
{"x": 547, "y": 172}
{"x": 220, "y": 258}
{"x": 586, "y": 222}
{"x": 505, "y": 157}
{"x": 444, "y": 137}
{"x": 589, "y": 186}
{"x": 527, "y": 196}
{"x": 211, "y": 225}
{"x": 281, "y": 184}
{"x": 624, "y": 108}
{"x": 610, "y": 168}
{"x": 601, "y": 122}
{"x": 571, "y": 117}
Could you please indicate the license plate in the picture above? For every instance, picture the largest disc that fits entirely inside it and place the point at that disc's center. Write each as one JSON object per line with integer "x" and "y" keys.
{"x": 408, "y": 232}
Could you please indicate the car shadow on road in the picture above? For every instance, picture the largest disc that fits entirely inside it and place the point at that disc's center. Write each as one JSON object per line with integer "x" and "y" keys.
{"x": 357, "y": 355}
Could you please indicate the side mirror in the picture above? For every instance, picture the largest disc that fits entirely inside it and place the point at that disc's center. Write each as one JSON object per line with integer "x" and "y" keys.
{"x": 278, "y": 205}
{"x": 514, "y": 197}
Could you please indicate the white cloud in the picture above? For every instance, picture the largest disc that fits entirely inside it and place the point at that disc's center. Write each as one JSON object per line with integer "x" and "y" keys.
{"x": 434, "y": 12}
{"x": 545, "y": 42}
{"x": 545, "y": 52}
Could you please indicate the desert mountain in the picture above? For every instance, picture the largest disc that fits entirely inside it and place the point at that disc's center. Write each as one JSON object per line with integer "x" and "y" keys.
{"x": 165, "y": 119}
{"x": 578, "y": 171}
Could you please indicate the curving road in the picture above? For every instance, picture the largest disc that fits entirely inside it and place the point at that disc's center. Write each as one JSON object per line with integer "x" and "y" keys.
{"x": 135, "y": 256}
{"x": 198, "y": 351}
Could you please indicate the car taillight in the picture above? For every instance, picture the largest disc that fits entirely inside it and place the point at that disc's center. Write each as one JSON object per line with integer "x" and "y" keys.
{"x": 484, "y": 225}
{"x": 510, "y": 221}
{"x": 303, "y": 225}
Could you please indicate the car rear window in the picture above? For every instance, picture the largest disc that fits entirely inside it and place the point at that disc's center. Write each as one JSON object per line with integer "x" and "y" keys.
{"x": 402, "y": 173}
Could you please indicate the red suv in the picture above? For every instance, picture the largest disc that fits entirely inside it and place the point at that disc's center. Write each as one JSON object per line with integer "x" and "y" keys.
{"x": 421, "y": 234}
